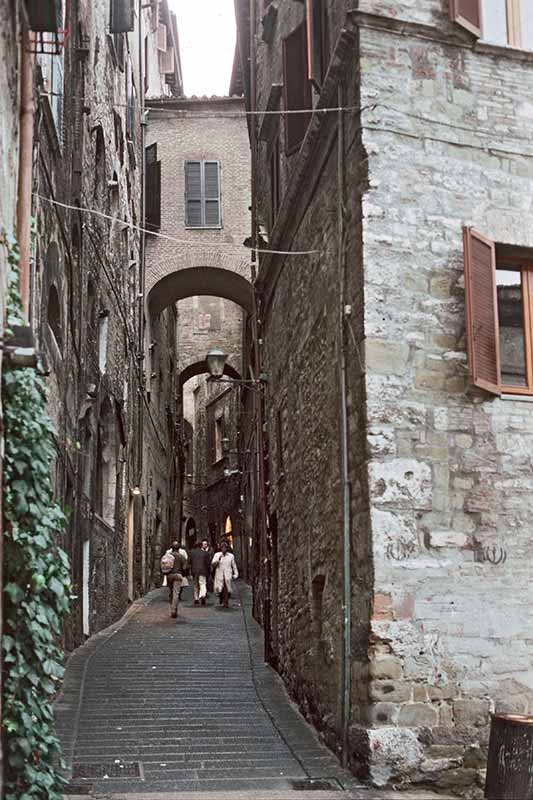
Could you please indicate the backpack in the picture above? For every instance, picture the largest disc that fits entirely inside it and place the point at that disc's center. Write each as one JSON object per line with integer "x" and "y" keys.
{"x": 167, "y": 563}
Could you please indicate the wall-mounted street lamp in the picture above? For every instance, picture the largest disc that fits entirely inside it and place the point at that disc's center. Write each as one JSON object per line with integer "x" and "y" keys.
{"x": 216, "y": 361}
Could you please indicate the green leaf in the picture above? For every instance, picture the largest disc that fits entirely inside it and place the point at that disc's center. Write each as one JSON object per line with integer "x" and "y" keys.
{"x": 15, "y": 592}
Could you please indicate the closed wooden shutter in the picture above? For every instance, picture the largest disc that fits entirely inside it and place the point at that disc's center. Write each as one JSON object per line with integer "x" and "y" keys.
{"x": 122, "y": 16}
{"x": 153, "y": 188}
{"x": 202, "y": 194}
{"x": 468, "y": 14}
{"x": 212, "y": 193}
{"x": 317, "y": 41}
{"x": 211, "y": 439}
{"x": 193, "y": 194}
{"x": 296, "y": 87}
{"x": 481, "y": 311}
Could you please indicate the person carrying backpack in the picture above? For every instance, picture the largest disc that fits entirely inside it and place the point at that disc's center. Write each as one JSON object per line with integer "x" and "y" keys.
{"x": 174, "y": 566}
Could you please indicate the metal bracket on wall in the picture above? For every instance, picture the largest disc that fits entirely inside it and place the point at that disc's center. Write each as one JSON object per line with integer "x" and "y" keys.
{"x": 19, "y": 348}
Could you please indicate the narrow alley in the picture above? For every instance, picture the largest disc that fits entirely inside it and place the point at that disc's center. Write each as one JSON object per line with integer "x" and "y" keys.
{"x": 266, "y": 317}
{"x": 154, "y": 708}
{"x": 151, "y": 705}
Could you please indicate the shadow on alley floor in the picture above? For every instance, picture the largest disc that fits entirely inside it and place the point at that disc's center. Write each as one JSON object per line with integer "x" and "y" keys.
{"x": 153, "y": 706}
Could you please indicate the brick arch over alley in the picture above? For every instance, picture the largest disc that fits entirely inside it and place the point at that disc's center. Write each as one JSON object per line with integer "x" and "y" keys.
{"x": 198, "y": 201}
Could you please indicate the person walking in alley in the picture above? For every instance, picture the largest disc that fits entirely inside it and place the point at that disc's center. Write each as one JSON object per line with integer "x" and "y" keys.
{"x": 200, "y": 567}
{"x": 225, "y": 573}
{"x": 206, "y": 547}
{"x": 173, "y": 566}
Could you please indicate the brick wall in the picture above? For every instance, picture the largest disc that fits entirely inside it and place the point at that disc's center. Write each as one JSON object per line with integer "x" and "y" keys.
{"x": 203, "y": 130}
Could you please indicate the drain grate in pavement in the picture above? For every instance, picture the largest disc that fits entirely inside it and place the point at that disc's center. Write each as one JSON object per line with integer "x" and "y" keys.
{"x": 316, "y": 785}
{"x": 108, "y": 770}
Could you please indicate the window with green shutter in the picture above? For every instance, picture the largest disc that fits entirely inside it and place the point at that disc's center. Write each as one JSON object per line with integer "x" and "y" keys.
{"x": 202, "y": 194}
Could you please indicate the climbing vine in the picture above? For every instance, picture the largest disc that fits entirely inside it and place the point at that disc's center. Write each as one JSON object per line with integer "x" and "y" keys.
{"x": 37, "y": 580}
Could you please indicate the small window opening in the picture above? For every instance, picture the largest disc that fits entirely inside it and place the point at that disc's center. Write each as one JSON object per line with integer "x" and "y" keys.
{"x": 319, "y": 582}
{"x": 103, "y": 328}
{"x": 219, "y": 436}
{"x": 54, "y": 316}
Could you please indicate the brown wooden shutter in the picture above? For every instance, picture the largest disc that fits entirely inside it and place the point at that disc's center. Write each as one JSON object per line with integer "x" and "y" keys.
{"x": 481, "y": 311}
{"x": 122, "y": 16}
{"x": 212, "y": 193}
{"x": 211, "y": 442}
{"x": 153, "y": 189}
{"x": 296, "y": 87}
{"x": 468, "y": 14}
{"x": 193, "y": 194}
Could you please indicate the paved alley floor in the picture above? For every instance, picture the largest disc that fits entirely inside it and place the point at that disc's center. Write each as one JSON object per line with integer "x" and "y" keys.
{"x": 187, "y": 708}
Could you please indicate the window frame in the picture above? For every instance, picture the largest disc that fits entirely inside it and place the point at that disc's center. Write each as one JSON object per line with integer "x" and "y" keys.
{"x": 203, "y": 199}
{"x": 483, "y": 257}
{"x": 513, "y": 21}
{"x": 293, "y": 142}
{"x": 525, "y": 267}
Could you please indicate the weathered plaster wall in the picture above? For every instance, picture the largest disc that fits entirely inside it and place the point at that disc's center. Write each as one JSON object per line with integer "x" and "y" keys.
{"x": 9, "y": 135}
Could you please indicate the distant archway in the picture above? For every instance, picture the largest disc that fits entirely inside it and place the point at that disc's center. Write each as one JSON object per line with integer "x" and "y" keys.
{"x": 200, "y": 368}
{"x": 211, "y": 281}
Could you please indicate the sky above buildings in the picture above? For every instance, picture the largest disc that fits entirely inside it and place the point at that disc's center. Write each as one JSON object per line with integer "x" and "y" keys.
{"x": 207, "y": 41}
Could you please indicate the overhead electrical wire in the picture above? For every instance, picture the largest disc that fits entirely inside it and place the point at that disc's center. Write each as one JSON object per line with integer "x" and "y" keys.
{"x": 187, "y": 242}
{"x": 308, "y": 111}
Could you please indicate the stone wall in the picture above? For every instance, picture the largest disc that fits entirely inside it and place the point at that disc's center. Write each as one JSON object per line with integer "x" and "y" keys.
{"x": 85, "y": 310}
{"x": 301, "y": 355}
{"x": 439, "y": 471}
{"x": 449, "y": 465}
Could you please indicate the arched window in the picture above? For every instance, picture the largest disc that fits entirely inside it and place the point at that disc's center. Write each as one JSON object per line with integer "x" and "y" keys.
{"x": 53, "y": 314}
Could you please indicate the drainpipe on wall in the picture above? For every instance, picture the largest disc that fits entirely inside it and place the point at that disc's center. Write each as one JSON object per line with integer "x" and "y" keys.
{"x": 142, "y": 282}
{"x": 25, "y": 170}
{"x": 346, "y": 489}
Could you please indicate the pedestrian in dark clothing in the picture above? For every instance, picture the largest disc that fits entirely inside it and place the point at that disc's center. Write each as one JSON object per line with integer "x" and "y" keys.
{"x": 206, "y": 547}
{"x": 200, "y": 568}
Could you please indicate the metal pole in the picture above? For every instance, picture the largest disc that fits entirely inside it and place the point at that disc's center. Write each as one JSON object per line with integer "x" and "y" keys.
{"x": 140, "y": 345}
{"x": 25, "y": 170}
{"x": 346, "y": 528}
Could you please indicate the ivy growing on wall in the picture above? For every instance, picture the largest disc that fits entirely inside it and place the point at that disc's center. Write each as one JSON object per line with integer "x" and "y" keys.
{"x": 37, "y": 580}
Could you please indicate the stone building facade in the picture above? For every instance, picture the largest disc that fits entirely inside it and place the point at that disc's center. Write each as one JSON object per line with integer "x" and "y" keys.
{"x": 400, "y": 593}
{"x": 86, "y": 305}
{"x": 198, "y": 266}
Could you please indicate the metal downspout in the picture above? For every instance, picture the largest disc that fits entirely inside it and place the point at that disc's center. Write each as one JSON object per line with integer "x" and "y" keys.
{"x": 139, "y": 356}
{"x": 25, "y": 171}
{"x": 346, "y": 532}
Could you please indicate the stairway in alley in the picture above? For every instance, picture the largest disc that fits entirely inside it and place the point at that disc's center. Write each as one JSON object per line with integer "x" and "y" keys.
{"x": 159, "y": 705}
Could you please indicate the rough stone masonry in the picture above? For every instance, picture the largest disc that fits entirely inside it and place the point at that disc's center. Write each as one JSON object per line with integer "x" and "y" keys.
{"x": 440, "y": 472}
